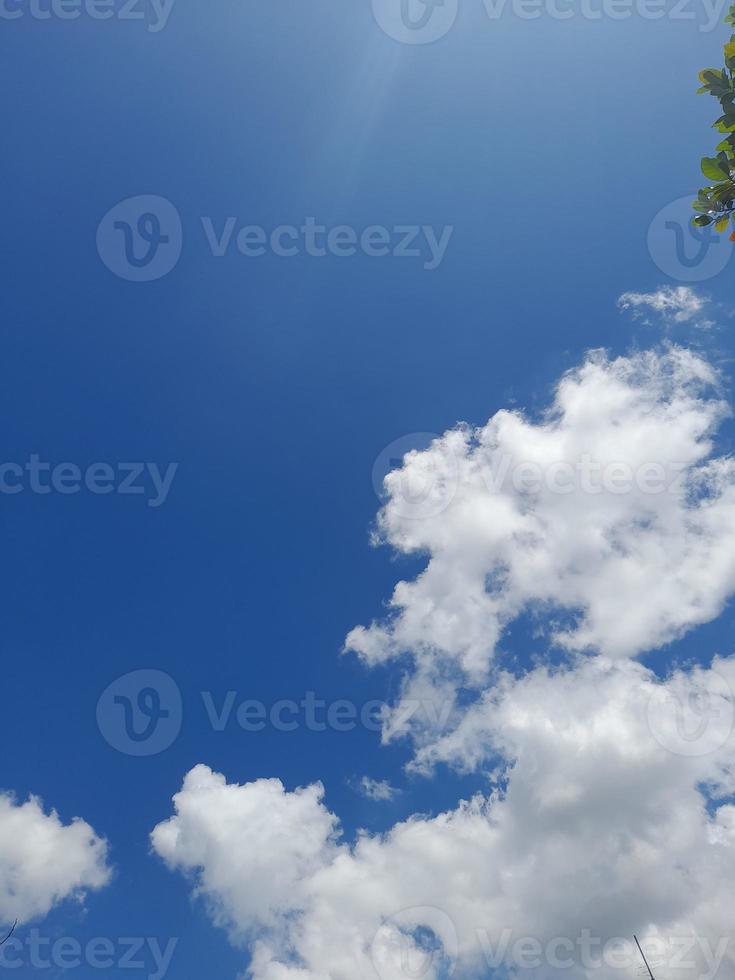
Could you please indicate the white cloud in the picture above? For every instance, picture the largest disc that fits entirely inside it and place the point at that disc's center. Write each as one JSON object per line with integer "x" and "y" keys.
{"x": 377, "y": 789}
{"x": 282, "y": 839}
{"x": 677, "y": 303}
{"x": 608, "y": 809}
{"x": 601, "y": 827}
{"x": 43, "y": 861}
{"x": 608, "y": 518}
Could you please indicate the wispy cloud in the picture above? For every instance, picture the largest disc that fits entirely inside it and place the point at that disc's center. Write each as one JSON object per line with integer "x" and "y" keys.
{"x": 376, "y": 789}
{"x": 679, "y": 304}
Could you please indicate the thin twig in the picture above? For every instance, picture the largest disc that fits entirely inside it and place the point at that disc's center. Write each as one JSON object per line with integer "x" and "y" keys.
{"x": 644, "y": 958}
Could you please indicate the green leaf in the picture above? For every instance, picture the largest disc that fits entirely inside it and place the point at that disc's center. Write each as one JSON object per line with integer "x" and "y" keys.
{"x": 716, "y": 203}
{"x": 711, "y": 168}
{"x": 724, "y": 191}
{"x": 717, "y": 81}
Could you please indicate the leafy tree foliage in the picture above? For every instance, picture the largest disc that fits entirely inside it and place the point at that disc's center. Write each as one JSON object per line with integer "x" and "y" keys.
{"x": 716, "y": 203}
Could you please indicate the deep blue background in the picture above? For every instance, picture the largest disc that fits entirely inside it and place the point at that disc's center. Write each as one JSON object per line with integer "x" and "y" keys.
{"x": 276, "y": 383}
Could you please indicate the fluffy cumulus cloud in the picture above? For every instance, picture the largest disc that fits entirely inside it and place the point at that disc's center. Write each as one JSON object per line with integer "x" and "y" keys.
{"x": 678, "y": 303}
{"x": 256, "y": 879}
{"x": 608, "y": 518}
{"x": 608, "y": 807}
{"x": 596, "y": 828}
{"x": 43, "y": 861}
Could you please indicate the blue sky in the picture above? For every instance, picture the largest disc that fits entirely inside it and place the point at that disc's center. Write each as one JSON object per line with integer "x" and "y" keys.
{"x": 276, "y": 383}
